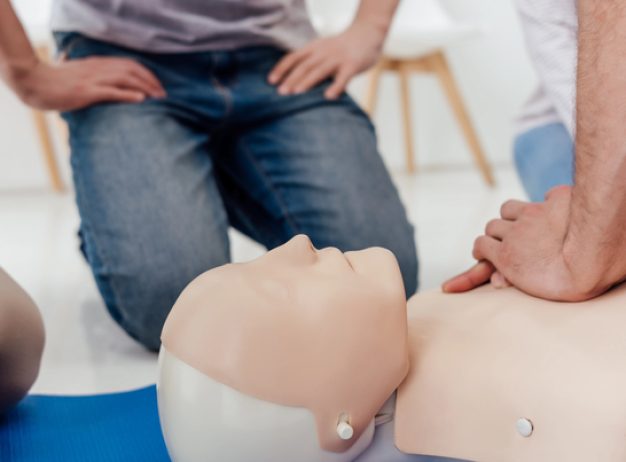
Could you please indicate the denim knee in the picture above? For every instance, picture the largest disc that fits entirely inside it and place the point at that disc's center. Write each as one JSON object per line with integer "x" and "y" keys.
{"x": 139, "y": 292}
{"x": 406, "y": 252}
{"x": 141, "y": 302}
{"x": 544, "y": 158}
{"x": 410, "y": 273}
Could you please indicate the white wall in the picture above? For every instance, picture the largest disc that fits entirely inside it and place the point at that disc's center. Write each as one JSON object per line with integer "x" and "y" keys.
{"x": 493, "y": 72}
{"x": 21, "y": 162}
{"x": 495, "y": 78}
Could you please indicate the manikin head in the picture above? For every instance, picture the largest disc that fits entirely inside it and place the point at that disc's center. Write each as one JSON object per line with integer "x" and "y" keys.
{"x": 288, "y": 357}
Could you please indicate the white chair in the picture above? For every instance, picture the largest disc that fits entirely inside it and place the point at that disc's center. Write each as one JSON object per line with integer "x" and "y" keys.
{"x": 421, "y": 30}
{"x": 35, "y": 16}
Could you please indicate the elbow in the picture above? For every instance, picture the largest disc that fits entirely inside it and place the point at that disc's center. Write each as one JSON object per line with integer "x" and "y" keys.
{"x": 20, "y": 360}
{"x": 22, "y": 339}
{"x": 12, "y": 391}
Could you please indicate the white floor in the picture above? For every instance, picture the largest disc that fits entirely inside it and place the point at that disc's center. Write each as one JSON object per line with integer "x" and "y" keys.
{"x": 87, "y": 353}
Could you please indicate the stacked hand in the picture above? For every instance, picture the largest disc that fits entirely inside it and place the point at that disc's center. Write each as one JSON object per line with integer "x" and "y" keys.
{"x": 340, "y": 57}
{"x": 526, "y": 247}
{"x": 83, "y": 82}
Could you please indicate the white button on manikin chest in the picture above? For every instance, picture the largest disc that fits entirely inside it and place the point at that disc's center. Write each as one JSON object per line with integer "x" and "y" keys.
{"x": 524, "y": 427}
{"x": 345, "y": 431}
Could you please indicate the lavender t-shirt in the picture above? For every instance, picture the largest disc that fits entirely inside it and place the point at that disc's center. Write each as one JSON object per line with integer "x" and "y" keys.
{"x": 175, "y": 26}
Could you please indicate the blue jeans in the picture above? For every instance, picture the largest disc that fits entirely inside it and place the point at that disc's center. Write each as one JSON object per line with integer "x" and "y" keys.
{"x": 544, "y": 157}
{"x": 159, "y": 183}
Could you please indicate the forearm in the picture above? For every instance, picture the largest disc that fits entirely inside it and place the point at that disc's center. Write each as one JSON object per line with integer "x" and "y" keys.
{"x": 16, "y": 52}
{"x": 597, "y": 229}
{"x": 377, "y": 15}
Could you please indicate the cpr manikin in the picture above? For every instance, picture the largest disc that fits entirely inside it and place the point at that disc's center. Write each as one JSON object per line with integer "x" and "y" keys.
{"x": 286, "y": 358}
{"x": 292, "y": 357}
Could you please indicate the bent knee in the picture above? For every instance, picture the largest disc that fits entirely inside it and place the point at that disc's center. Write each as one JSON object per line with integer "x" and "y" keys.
{"x": 142, "y": 312}
{"x": 401, "y": 242}
{"x": 141, "y": 304}
{"x": 409, "y": 267}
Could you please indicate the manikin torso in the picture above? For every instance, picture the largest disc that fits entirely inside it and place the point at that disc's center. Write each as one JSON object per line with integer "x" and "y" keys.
{"x": 292, "y": 357}
{"x": 499, "y": 376}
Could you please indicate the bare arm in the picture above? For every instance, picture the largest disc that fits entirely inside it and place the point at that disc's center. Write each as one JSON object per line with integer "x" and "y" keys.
{"x": 69, "y": 85}
{"x": 16, "y": 53}
{"x": 572, "y": 247}
{"x": 597, "y": 229}
{"x": 377, "y": 15}
{"x": 340, "y": 57}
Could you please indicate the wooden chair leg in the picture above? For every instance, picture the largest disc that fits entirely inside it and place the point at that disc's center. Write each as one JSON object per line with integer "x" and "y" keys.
{"x": 63, "y": 131}
{"x": 44, "y": 136}
{"x": 373, "y": 86}
{"x": 442, "y": 70}
{"x": 404, "y": 74}
{"x": 47, "y": 149}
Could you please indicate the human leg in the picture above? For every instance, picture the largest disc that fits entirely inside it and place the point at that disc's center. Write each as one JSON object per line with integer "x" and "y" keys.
{"x": 544, "y": 158}
{"x": 152, "y": 217}
{"x": 311, "y": 166}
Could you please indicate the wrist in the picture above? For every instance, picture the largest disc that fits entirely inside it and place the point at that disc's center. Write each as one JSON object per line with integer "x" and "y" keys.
{"x": 21, "y": 77}
{"x": 373, "y": 28}
{"x": 594, "y": 266}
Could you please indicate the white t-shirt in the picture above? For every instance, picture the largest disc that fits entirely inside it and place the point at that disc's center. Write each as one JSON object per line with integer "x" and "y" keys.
{"x": 551, "y": 31}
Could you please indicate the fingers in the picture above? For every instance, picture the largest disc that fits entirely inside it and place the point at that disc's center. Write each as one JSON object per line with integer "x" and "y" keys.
{"x": 498, "y": 228}
{"x": 113, "y": 94}
{"x": 149, "y": 79}
{"x": 558, "y": 191}
{"x": 476, "y": 276}
{"x": 341, "y": 81}
{"x": 126, "y": 73}
{"x": 499, "y": 281}
{"x": 487, "y": 248}
{"x": 298, "y": 73}
{"x": 285, "y": 65}
{"x": 145, "y": 80}
{"x": 314, "y": 77}
{"x": 511, "y": 210}
{"x": 128, "y": 82}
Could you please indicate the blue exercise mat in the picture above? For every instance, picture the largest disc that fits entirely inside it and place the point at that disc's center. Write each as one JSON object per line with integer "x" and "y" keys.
{"x": 119, "y": 427}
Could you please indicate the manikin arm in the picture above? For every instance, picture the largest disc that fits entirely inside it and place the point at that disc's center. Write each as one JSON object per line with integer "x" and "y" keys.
{"x": 21, "y": 342}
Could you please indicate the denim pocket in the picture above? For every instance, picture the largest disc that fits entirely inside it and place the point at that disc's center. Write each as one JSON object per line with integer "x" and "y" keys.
{"x": 66, "y": 42}
{"x": 74, "y": 45}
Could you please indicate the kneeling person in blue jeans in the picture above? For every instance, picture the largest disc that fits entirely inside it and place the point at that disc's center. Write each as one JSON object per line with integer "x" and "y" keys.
{"x": 191, "y": 116}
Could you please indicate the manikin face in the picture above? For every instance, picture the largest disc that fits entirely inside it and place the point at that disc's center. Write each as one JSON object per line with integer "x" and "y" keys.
{"x": 293, "y": 353}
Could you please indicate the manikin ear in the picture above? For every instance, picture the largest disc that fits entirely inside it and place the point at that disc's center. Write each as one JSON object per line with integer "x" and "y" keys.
{"x": 204, "y": 420}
